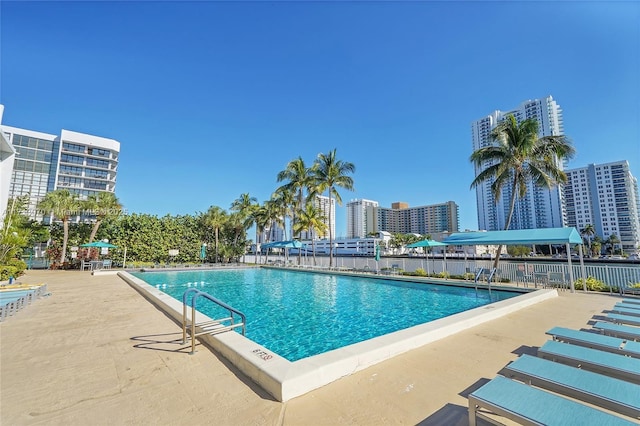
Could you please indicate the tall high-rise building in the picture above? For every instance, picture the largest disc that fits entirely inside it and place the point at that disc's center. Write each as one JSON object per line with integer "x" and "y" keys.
{"x": 401, "y": 218}
{"x": 606, "y": 197}
{"x": 540, "y": 207}
{"x": 326, "y": 208}
{"x": 361, "y": 218}
{"x": 277, "y": 232}
{"x": 82, "y": 163}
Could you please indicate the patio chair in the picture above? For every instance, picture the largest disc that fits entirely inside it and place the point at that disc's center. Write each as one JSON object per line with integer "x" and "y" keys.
{"x": 523, "y": 275}
{"x": 618, "y": 330}
{"x": 525, "y": 404}
{"x": 613, "y": 365}
{"x": 606, "y": 392}
{"x": 594, "y": 341}
{"x": 85, "y": 266}
{"x": 558, "y": 279}
{"x": 106, "y": 264}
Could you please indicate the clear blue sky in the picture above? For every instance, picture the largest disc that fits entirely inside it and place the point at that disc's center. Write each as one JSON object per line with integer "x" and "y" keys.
{"x": 212, "y": 99}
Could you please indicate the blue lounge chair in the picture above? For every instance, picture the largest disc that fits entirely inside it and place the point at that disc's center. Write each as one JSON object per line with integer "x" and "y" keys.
{"x": 626, "y": 311}
{"x": 530, "y": 406}
{"x": 628, "y": 305}
{"x": 595, "y": 341}
{"x": 618, "y": 330}
{"x": 623, "y": 319}
{"x": 631, "y": 301}
{"x": 607, "y": 392}
{"x": 614, "y": 365}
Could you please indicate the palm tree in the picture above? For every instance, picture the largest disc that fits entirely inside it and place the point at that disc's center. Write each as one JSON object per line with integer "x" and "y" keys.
{"x": 245, "y": 205}
{"x": 62, "y": 205}
{"x": 272, "y": 218}
{"x": 213, "y": 219}
{"x": 283, "y": 200}
{"x": 612, "y": 242}
{"x": 299, "y": 178}
{"x": 262, "y": 220}
{"x": 588, "y": 231}
{"x": 103, "y": 205}
{"x": 518, "y": 155}
{"x": 312, "y": 220}
{"x": 329, "y": 174}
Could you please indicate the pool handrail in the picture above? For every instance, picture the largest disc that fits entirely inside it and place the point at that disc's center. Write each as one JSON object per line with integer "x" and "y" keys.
{"x": 195, "y": 294}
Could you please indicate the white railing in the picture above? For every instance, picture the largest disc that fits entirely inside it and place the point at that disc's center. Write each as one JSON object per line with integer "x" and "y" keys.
{"x": 617, "y": 277}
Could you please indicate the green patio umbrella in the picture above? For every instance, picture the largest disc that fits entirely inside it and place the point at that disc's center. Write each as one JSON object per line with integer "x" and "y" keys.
{"x": 99, "y": 244}
{"x": 428, "y": 243}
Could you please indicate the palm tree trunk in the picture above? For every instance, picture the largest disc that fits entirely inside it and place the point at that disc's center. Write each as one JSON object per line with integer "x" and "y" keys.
{"x": 216, "y": 238}
{"x": 65, "y": 238}
{"x": 330, "y": 233}
{"x": 512, "y": 206}
{"x": 94, "y": 230}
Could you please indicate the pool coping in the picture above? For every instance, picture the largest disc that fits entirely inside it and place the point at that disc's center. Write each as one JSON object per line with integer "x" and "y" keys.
{"x": 285, "y": 380}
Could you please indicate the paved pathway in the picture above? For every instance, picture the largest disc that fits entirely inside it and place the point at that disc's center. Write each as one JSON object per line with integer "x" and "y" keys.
{"x": 96, "y": 352}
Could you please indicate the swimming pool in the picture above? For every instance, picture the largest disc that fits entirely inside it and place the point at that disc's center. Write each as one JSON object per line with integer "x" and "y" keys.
{"x": 300, "y": 314}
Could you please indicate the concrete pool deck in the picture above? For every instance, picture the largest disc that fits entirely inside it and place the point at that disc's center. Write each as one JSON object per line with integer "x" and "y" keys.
{"x": 96, "y": 352}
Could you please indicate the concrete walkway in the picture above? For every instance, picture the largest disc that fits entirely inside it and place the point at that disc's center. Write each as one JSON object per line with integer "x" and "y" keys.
{"x": 95, "y": 352}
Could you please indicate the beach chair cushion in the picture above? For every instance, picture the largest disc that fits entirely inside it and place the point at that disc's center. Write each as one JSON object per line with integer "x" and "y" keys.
{"x": 528, "y": 405}
{"x": 607, "y": 392}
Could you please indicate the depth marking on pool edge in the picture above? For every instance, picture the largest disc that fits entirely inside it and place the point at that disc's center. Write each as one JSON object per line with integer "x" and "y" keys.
{"x": 265, "y": 356}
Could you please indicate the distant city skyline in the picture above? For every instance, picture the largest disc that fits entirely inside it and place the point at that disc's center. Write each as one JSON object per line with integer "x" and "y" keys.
{"x": 218, "y": 105}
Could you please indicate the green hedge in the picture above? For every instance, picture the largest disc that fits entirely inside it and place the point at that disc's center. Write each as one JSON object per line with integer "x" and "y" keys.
{"x": 7, "y": 271}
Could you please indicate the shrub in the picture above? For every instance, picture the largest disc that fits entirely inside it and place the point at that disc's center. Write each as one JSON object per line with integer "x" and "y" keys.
{"x": 468, "y": 276}
{"x": 443, "y": 274}
{"x": 19, "y": 264}
{"x": 421, "y": 272}
{"x": 592, "y": 284}
{"x": 7, "y": 271}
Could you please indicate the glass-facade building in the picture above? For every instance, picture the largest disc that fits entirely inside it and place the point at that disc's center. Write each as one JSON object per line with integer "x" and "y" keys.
{"x": 84, "y": 164}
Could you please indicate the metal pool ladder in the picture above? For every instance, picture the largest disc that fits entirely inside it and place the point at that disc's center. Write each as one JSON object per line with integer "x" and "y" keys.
{"x": 483, "y": 271}
{"x": 214, "y": 326}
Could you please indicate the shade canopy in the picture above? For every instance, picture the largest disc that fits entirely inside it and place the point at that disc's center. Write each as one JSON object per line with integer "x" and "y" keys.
{"x": 516, "y": 237}
{"x": 426, "y": 243}
{"x": 99, "y": 244}
{"x": 284, "y": 244}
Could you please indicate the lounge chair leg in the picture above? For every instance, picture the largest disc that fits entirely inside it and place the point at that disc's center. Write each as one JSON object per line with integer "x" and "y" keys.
{"x": 472, "y": 413}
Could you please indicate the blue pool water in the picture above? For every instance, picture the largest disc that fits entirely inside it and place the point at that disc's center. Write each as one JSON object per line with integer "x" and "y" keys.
{"x": 300, "y": 314}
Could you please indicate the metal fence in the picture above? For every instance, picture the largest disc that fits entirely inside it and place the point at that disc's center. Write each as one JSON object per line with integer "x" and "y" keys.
{"x": 616, "y": 277}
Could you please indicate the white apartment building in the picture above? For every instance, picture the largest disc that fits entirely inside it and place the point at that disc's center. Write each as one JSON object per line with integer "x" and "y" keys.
{"x": 361, "y": 218}
{"x": 605, "y": 196}
{"x": 84, "y": 164}
{"x": 326, "y": 208}
{"x": 277, "y": 233}
{"x": 541, "y": 207}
